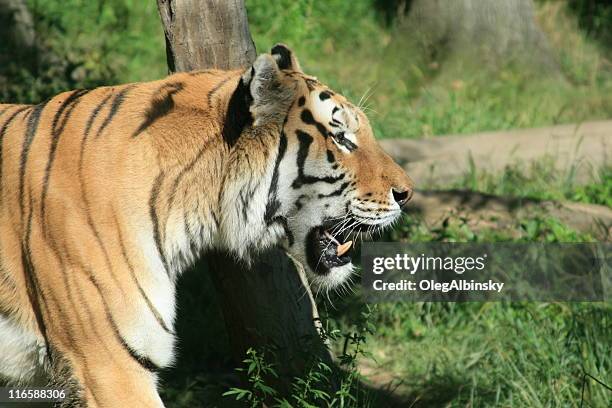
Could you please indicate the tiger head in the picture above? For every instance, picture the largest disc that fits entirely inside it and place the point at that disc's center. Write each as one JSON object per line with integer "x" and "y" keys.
{"x": 332, "y": 179}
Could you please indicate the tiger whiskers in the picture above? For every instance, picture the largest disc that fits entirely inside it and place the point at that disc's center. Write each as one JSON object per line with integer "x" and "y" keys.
{"x": 364, "y": 98}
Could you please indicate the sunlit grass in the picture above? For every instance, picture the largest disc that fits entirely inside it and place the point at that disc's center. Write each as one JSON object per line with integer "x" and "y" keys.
{"x": 541, "y": 180}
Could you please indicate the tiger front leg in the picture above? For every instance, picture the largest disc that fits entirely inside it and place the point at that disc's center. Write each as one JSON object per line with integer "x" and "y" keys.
{"x": 100, "y": 380}
{"x": 95, "y": 335}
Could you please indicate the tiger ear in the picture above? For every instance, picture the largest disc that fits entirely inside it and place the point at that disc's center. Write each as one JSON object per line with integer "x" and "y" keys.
{"x": 285, "y": 58}
{"x": 271, "y": 92}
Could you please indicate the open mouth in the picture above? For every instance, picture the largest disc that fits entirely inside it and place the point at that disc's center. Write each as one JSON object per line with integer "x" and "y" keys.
{"x": 327, "y": 249}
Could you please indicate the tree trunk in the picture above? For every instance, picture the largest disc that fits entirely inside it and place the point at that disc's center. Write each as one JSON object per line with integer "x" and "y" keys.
{"x": 16, "y": 26}
{"x": 490, "y": 32}
{"x": 270, "y": 305}
{"x": 20, "y": 52}
{"x": 206, "y": 34}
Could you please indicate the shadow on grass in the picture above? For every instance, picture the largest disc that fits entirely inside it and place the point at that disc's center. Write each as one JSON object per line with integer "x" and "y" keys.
{"x": 204, "y": 369}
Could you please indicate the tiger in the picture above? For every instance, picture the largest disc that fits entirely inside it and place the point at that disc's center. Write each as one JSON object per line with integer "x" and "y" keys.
{"x": 107, "y": 195}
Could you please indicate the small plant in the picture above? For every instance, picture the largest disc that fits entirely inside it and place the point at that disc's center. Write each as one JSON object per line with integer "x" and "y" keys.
{"x": 322, "y": 385}
{"x": 257, "y": 370}
{"x": 597, "y": 192}
{"x": 546, "y": 229}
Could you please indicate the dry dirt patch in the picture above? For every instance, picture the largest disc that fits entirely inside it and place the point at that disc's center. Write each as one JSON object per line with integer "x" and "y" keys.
{"x": 582, "y": 148}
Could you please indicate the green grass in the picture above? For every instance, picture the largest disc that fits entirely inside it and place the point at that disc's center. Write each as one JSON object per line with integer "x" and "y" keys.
{"x": 453, "y": 229}
{"x": 495, "y": 354}
{"x": 122, "y": 37}
{"x": 92, "y": 43}
{"x": 541, "y": 180}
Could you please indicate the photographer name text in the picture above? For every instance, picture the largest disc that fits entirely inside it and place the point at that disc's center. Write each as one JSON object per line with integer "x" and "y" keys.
{"x": 422, "y": 263}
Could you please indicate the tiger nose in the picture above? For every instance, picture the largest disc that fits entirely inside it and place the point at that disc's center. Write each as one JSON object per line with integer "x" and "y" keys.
{"x": 401, "y": 196}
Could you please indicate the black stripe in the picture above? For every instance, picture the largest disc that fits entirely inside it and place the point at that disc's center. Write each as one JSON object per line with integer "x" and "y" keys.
{"x": 6, "y": 281}
{"x": 94, "y": 114}
{"x": 114, "y": 108}
{"x": 34, "y": 291}
{"x": 284, "y": 56}
{"x": 28, "y": 112}
{"x": 324, "y": 95}
{"x": 299, "y": 204}
{"x": 244, "y": 203}
{"x": 337, "y": 192}
{"x": 5, "y": 312}
{"x": 64, "y": 317}
{"x": 305, "y": 140}
{"x": 67, "y": 285}
{"x": 83, "y": 303}
{"x": 56, "y": 130}
{"x": 342, "y": 140}
{"x": 307, "y": 118}
{"x": 273, "y": 204}
{"x": 215, "y": 218}
{"x": 144, "y": 362}
{"x": 192, "y": 238}
{"x": 350, "y": 146}
{"x": 215, "y": 88}
{"x": 30, "y": 133}
{"x": 88, "y": 216}
{"x": 283, "y": 222}
{"x": 152, "y": 308}
{"x": 34, "y": 295}
{"x": 96, "y": 234}
{"x": 238, "y": 115}
{"x": 2, "y": 133}
{"x": 58, "y": 125}
{"x": 161, "y": 105}
{"x": 90, "y": 121}
{"x": 182, "y": 174}
{"x": 157, "y": 184}
{"x": 311, "y": 83}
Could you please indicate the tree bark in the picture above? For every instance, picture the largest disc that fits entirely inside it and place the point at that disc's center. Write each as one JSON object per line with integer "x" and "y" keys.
{"x": 493, "y": 32}
{"x": 206, "y": 34}
{"x": 270, "y": 305}
{"x": 17, "y": 34}
{"x": 17, "y": 25}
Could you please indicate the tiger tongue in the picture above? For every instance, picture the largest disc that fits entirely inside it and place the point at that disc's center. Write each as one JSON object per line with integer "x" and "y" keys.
{"x": 343, "y": 248}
